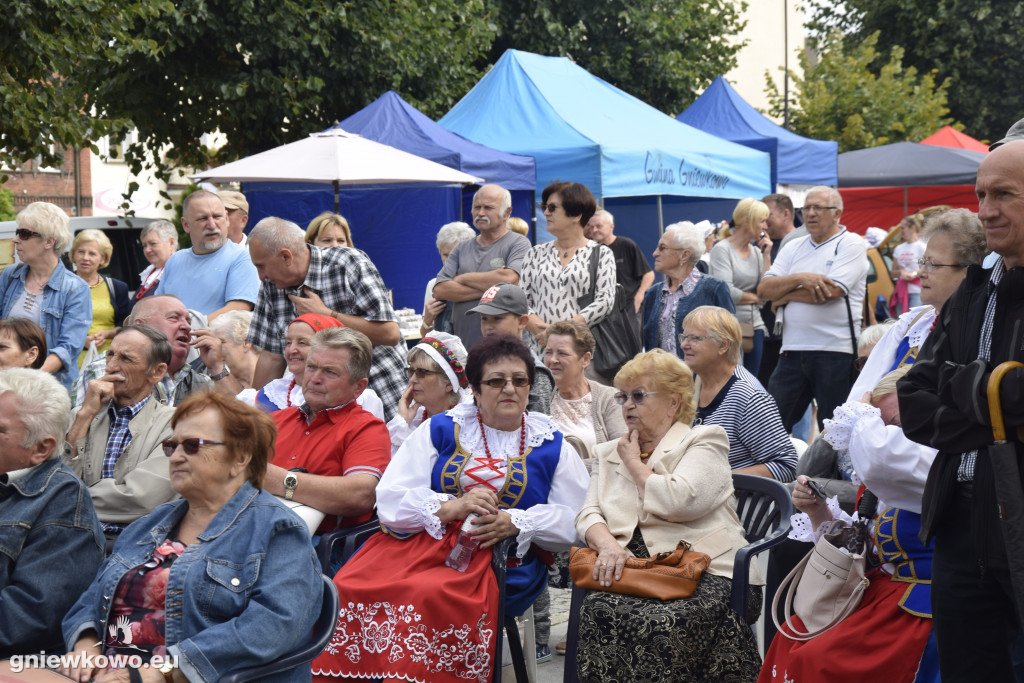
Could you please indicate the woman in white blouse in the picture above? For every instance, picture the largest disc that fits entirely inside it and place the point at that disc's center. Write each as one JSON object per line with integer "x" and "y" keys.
{"x": 739, "y": 260}
{"x": 491, "y": 469}
{"x": 437, "y": 380}
{"x": 556, "y": 274}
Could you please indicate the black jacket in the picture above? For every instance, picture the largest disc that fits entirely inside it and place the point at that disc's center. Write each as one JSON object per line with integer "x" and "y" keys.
{"x": 943, "y": 401}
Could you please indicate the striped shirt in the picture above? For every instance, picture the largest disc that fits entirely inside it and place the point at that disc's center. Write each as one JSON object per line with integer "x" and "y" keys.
{"x": 749, "y": 416}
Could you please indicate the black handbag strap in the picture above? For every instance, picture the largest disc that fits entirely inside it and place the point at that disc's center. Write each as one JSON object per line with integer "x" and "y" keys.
{"x": 593, "y": 270}
{"x": 849, "y": 311}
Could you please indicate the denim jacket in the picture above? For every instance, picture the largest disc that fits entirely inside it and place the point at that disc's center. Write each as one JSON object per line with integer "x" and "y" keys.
{"x": 247, "y": 593}
{"x": 67, "y": 313}
{"x": 51, "y": 544}
{"x": 710, "y": 291}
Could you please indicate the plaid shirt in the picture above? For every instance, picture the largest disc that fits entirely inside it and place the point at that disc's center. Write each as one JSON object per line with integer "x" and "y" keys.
{"x": 968, "y": 460}
{"x": 348, "y": 282}
{"x": 117, "y": 442}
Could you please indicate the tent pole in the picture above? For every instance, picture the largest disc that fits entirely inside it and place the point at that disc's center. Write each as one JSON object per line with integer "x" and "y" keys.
{"x": 905, "y": 204}
{"x": 336, "y": 205}
{"x": 661, "y": 218}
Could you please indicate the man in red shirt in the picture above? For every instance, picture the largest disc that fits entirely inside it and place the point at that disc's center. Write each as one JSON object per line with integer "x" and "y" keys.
{"x": 330, "y": 453}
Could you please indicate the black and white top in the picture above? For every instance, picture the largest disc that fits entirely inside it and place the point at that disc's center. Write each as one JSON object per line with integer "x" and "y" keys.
{"x": 552, "y": 290}
{"x": 749, "y": 416}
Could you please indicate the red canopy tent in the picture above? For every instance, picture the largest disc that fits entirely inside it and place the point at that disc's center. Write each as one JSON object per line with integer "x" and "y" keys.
{"x": 947, "y": 136}
{"x": 885, "y": 207}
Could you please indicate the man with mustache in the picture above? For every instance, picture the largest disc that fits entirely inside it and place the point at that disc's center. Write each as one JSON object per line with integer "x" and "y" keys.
{"x": 215, "y": 275}
{"x": 474, "y": 266}
{"x": 114, "y": 440}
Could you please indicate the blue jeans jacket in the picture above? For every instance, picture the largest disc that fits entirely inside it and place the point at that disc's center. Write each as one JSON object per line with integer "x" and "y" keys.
{"x": 247, "y": 594}
{"x": 710, "y": 291}
{"x": 51, "y": 543}
{"x": 67, "y": 313}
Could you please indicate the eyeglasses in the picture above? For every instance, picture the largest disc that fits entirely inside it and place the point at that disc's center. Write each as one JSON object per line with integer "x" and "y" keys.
{"x": 419, "y": 373}
{"x": 637, "y": 396}
{"x": 550, "y": 207}
{"x": 929, "y": 266}
{"x": 665, "y": 247}
{"x": 25, "y": 234}
{"x": 692, "y": 338}
{"x": 499, "y": 382}
{"x": 190, "y": 446}
{"x": 816, "y": 209}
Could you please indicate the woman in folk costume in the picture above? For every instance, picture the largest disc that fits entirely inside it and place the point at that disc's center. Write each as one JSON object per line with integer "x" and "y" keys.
{"x": 407, "y": 615}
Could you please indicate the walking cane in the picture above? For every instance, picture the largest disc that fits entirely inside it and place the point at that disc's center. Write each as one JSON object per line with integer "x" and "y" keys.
{"x": 1009, "y": 496}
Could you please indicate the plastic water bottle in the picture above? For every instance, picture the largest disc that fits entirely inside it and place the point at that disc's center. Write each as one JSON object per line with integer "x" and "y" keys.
{"x": 462, "y": 553}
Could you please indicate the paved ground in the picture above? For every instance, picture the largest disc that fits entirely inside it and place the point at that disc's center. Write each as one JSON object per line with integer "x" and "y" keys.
{"x": 551, "y": 672}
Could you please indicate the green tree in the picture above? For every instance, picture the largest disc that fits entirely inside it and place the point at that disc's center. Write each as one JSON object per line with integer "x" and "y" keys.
{"x": 839, "y": 98}
{"x": 267, "y": 72}
{"x": 7, "y": 212}
{"x": 975, "y": 45}
{"x": 664, "y": 53}
{"x": 44, "y": 44}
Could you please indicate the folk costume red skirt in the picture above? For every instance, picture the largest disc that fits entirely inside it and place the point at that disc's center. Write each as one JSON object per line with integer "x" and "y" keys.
{"x": 406, "y": 615}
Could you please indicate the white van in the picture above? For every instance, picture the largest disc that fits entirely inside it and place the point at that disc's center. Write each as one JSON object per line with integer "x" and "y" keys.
{"x": 127, "y": 260}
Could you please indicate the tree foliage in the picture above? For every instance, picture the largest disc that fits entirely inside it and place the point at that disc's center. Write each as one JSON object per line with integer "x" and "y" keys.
{"x": 664, "y": 53}
{"x": 267, "y": 72}
{"x": 839, "y": 98}
{"x": 44, "y": 46}
{"x": 7, "y": 212}
{"x": 975, "y": 45}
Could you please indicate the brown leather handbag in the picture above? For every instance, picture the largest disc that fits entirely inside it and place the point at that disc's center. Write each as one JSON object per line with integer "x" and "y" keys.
{"x": 666, "y": 576}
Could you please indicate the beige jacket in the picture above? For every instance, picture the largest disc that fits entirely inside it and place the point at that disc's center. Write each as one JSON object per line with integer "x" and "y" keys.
{"x": 689, "y": 497}
{"x": 141, "y": 476}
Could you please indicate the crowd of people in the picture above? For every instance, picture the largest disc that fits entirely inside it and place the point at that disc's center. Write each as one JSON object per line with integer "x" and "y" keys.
{"x": 157, "y": 440}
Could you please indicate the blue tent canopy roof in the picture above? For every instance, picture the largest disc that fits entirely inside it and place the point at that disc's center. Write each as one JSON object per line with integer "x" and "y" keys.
{"x": 393, "y": 121}
{"x": 583, "y": 129}
{"x": 796, "y": 160}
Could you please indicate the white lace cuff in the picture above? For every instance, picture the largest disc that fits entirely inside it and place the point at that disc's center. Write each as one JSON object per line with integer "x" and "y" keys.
{"x": 525, "y": 523}
{"x": 428, "y": 514}
{"x": 839, "y": 428}
{"x": 802, "y": 529}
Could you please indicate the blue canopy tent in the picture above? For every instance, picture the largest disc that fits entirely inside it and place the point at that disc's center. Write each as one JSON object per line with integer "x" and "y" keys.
{"x": 583, "y": 129}
{"x": 796, "y": 160}
{"x": 397, "y": 227}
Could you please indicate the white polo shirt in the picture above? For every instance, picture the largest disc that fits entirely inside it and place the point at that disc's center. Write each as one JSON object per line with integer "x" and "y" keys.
{"x": 824, "y": 327}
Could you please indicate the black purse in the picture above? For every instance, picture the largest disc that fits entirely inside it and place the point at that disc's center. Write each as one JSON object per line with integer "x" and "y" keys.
{"x": 616, "y": 339}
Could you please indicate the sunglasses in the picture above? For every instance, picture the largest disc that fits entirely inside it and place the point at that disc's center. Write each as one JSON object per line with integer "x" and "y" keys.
{"x": 419, "y": 373}
{"x": 25, "y": 234}
{"x": 190, "y": 446}
{"x": 500, "y": 382}
{"x": 638, "y": 396}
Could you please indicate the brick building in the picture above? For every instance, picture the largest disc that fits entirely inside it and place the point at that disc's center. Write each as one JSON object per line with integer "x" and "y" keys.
{"x": 69, "y": 186}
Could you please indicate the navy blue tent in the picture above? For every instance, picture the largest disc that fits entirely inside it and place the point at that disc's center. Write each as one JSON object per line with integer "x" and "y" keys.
{"x": 397, "y": 227}
{"x": 796, "y": 160}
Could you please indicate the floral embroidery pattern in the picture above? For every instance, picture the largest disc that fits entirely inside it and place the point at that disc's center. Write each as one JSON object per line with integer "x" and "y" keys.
{"x": 397, "y": 629}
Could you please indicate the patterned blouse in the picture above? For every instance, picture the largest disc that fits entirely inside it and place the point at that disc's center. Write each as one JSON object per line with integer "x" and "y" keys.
{"x": 552, "y": 290}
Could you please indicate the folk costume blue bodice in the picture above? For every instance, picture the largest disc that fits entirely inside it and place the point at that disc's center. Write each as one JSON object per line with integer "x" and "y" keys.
{"x": 897, "y": 544}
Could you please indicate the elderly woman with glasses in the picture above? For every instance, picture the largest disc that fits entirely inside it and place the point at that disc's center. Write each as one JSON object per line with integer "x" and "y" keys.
{"x": 732, "y": 398}
{"x": 662, "y": 482}
{"x": 437, "y": 380}
{"x": 475, "y": 474}
{"x": 556, "y": 274}
{"x": 42, "y": 290}
{"x": 221, "y": 579}
{"x": 159, "y": 240}
{"x": 682, "y": 288}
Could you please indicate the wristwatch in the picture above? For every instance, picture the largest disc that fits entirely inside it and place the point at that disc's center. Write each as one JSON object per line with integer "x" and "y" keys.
{"x": 167, "y": 669}
{"x": 222, "y": 374}
{"x": 291, "y": 480}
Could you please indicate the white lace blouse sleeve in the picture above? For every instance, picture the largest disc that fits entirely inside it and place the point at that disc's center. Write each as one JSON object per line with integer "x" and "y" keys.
{"x": 892, "y": 466}
{"x": 551, "y": 525}
{"x": 400, "y": 430}
{"x": 802, "y": 529}
{"x": 405, "y": 501}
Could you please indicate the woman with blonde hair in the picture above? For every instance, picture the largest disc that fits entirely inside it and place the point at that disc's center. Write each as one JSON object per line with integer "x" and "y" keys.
{"x": 42, "y": 290}
{"x": 329, "y": 230}
{"x": 90, "y": 251}
{"x": 661, "y": 482}
{"x": 731, "y": 397}
{"x": 739, "y": 260}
